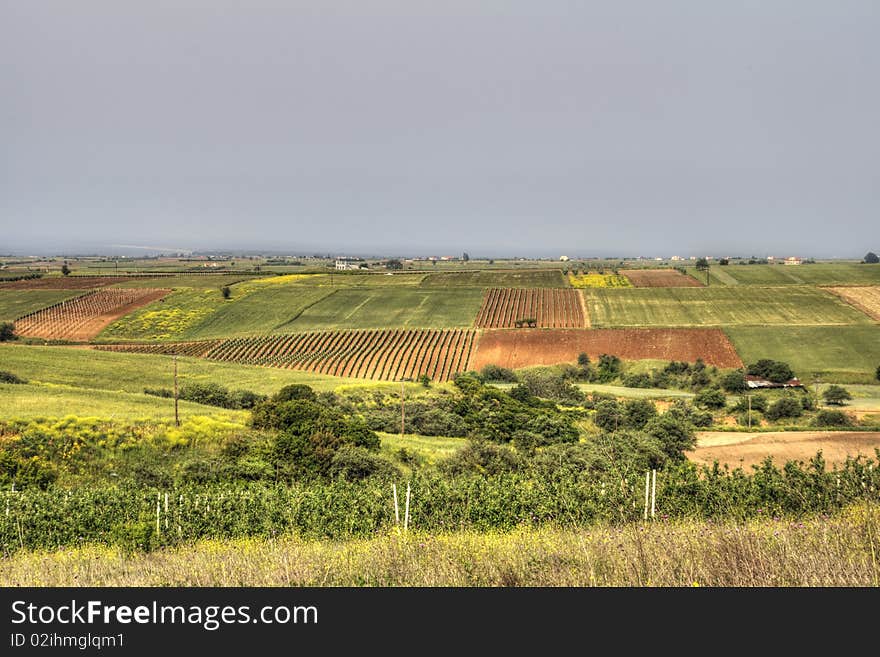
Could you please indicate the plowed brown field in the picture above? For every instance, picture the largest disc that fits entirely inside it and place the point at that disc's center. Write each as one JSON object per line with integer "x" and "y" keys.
{"x": 68, "y": 282}
{"x": 82, "y": 318}
{"x": 659, "y": 278}
{"x": 747, "y": 449}
{"x": 528, "y": 347}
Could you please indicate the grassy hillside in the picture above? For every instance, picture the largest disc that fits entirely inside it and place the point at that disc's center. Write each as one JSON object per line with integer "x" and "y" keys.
{"x": 49, "y": 401}
{"x": 390, "y": 308}
{"x": 718, "y": 306}
{"x": 264, "y": 311}
{"x": 489, "y": 278}
{"x": 16, "y": 303}
{"x": 90, "y": 369}
{"x": 848, "y": 354}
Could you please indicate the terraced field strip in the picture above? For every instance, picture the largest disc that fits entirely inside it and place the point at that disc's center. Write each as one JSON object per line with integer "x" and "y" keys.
{"x": 526, "y": 278}
{"x": 529, "y": 347}
{"x": 866, "y": 299}
{"x": 719, "y": 306}
{"x": 70, "y": 282}
{"x": 196, "y": 349}
{"x": 82, "y": 318}
{"x": 660, "y": 278}
{"x": 390, "y": 354}
{"x": 550, "y": 308}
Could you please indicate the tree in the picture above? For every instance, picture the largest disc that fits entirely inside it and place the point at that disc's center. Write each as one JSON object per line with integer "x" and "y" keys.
{"x": 584, "y": 360}
{"x": 785, "y": 407}
{"x": 465, "y": 257}
{"x": 711, "y": 398}
{"x": 772, "y": 370}
{"x": 608, "y": 415}
{"x": 65, "y": 270}
{"x": 638, "y": 412}
{"x": 702, "y": 264}
{"x": 877, "y": 375}
{"x": 836, "y": 395}
{"x": 295, "y": 391}
{"x": 7, "y": 332}
{"x": 734, "y": 381}
{"x": 225, "y": 291}
{"x": 675, "y": 435}
{"x": 723, "y": 262}
{"x": 394, "y": 263}
{"x": 871, "y": 258}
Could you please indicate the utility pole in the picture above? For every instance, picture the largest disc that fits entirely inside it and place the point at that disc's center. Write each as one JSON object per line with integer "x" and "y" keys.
{"x": 176, "y": 415}
{"x": 750, "y": 411}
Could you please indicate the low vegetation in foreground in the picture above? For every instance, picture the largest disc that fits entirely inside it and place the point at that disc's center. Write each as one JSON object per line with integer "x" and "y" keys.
{"x": 819, "y": 551}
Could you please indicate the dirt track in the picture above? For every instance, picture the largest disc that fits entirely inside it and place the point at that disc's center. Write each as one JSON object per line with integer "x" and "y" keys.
{"x": 526, "y": 347}
{"x": 747, "y": 449}
{"x": 659, "y": 278}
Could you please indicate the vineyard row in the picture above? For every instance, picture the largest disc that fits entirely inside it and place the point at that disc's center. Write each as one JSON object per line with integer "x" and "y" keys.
{"x": 543, "y": 308}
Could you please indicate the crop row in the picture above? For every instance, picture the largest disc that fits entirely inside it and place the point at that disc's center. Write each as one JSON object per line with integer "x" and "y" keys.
{"x": 389, "y": 354}
{"x": 543, "y": 307}
{"x": 196, "y": 349}
{"x": 63, "y": 319}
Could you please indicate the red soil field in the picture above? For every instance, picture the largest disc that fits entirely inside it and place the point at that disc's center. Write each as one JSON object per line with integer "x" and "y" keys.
{"x": 514, "y": 349}
{"x": 68, "y": 282}
{"x": 659, "y": 278}
{"x": 82, "y": 318}
{"x": 551, "y": 308}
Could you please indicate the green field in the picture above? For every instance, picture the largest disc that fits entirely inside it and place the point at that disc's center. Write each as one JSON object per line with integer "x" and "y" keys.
{"x": 843, "y": 354}
{"x": 17, "y": 303}
{"x": 837, "y": 273}
{"x": 106, "y": 370}
{"x": 390, "y": 308}
{"x": 264, "y": 311}
{"x": 430, "y": 448}
{"x": 524, "y": 278}
{"x": 53, "y": 401}
{"x": 717, "y": 306}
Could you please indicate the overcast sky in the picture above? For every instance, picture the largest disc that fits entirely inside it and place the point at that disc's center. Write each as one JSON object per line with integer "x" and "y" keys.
{"x": 434, "y": 127}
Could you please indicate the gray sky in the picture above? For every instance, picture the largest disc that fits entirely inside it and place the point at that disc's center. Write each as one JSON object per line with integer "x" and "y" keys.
{"x": 495, "y": 127}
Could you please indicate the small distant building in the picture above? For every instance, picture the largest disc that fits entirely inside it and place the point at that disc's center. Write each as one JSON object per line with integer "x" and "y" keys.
{"x": 564, "y": 258}
{"x": 770, "y": 258}
{"x": 793, "y": 260}
{"x": 345, "y": 264}
{"x": 753, "y": 382}
{"x": 676, "y": 258}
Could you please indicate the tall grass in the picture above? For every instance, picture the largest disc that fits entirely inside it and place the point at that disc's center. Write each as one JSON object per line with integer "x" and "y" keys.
{"x": 836, "y": 551}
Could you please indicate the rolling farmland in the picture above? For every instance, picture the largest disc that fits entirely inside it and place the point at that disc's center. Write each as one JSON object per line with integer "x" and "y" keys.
{"x": 369, "y": 354}
{"x": 550, "y": 308}
{"x": 718, "y": 306}
{"x": 83, "y": 317}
